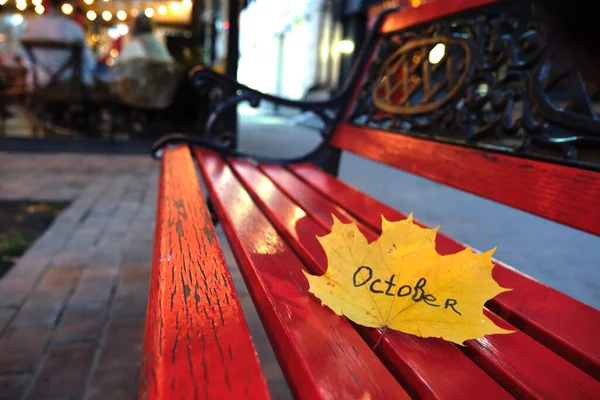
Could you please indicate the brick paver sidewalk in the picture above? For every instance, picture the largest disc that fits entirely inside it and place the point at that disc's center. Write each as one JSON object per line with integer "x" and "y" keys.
{"x": 72, "y": 310}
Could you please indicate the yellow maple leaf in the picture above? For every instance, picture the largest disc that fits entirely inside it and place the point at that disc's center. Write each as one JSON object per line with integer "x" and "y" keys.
{"x": 401, "y": 282}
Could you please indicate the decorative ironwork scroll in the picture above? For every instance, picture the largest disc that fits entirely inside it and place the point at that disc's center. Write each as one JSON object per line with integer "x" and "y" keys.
{"x": 486, "y": 78}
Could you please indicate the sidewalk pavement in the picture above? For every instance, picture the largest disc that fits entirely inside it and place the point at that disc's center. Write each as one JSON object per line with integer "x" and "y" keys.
{"x": 72, "y": 310}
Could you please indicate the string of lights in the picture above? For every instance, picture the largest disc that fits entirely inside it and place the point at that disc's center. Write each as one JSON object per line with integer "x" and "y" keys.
{"x": 108, "y": 10}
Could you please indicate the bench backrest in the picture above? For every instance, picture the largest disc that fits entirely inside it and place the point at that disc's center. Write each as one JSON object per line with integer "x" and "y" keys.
{"x": 470, "y": 94}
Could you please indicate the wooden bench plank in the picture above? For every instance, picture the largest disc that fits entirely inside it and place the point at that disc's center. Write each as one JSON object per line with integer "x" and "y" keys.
{"x": 563, "y": 194}
{"x": 536, "y": 364}
{"x": 197, "y": 343}
{"x": 408, "y": 17}
{"x": 424, "y": 367}
{"x": 563, "y": 324}
{"x": 321, "y": 355}
{"x": 528, "y": 369}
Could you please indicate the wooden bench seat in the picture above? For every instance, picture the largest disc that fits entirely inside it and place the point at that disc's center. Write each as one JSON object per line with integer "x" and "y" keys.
{"x": 271, "y": 216}
{"x": 197, "y": 343}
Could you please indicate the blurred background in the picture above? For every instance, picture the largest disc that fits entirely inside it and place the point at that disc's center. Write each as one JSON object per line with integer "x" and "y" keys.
{"x": 292, "y": 48}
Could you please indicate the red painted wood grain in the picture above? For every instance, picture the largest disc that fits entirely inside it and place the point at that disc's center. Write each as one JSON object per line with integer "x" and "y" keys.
{"x": 196, "y": 343}
{"x": 527, "y": 368}
{"x": 567, "y": 195}
{"x": 532, "y": 378}
{"x": 565, "y": 325}
{"x": 437, "y": 9}
{"x": 321, "y": 355}
{"x": 426, "y": 367}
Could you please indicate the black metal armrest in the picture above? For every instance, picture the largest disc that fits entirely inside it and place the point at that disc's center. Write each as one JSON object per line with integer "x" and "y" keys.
{"x": 329, "y": 111}
{"x": 205, "y": 79}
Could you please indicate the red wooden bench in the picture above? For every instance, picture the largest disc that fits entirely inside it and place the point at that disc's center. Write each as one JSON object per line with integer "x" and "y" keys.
{"x": 197, "y": 343}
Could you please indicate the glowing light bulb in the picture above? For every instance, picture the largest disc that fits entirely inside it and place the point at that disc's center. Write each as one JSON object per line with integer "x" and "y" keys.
{"x": 345, "y": 46}
{"x": 122, "y": 15}
{"x": 21, "y": 5}
{"x": 437, "y": 53}
{"x": 17, "y": 19}
{"x": 107, "y": 15}
{"x": 174, "y": 6}
{"x": 162, "y": 10}
{"x": 149, "y": 12}
{"x": 91, "y": 15}
{"x": 88, "y": 2}
{"x": 67, "y": 8}
{"x": 39, "y": 9}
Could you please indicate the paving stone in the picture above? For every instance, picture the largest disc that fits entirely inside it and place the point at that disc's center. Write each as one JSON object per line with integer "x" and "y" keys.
{"x": 46, "y": 302}
{"x": 64, "y": 371}
{"x": 140, "y": 254}
{"x": 11, "y": 386}
{"x": 131, "y": 301}
{"x": 30, "y": 261}
{"x": 114, "y": 384}
{"x": 131, "y": 274}
{"x": 6, "y": 313}
{"x": 92, "y": 275}
{"x": 59, "y": 277}
{"x": 13, "y": 290}
{"x": 113, "y": 237}
{"x": 123, "y": 344}
{"x": 95, "y": 285}
{"x": 106, "y": 255}
{"x": 84, "y": 238}
{"x": 81, "y": 322}
{"x": 20, "y": 348}
{"x": 67, "y": 279}
{"x": 70, "y": 258}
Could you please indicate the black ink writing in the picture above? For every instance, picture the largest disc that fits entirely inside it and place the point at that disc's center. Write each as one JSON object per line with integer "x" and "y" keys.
{"x": 391, "y": 284}
{"x": 405, "y": 290}
{"x": 419, "y": 292}
{"x": 364, "y": 275}
{"x": 369, "y": 270}
{"x": 372, "y": 287}
{"x": 451, "y": 303}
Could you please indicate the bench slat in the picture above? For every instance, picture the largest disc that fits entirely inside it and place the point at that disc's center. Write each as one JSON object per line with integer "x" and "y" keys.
{"x": 196, "y": 341}
{"x": 409, "y": 16}
{"x": 422, "y": 366}
{"x": 321, "y": 354}
{"x": 528, "y": 369}
{"x": 563, "y": 194}
{"x": 536, "y": 362}
{"x": 565, "y": 325}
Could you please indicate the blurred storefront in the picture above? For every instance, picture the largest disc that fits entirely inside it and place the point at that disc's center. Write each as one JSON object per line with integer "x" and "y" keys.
{"x": 288, "y": 46}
